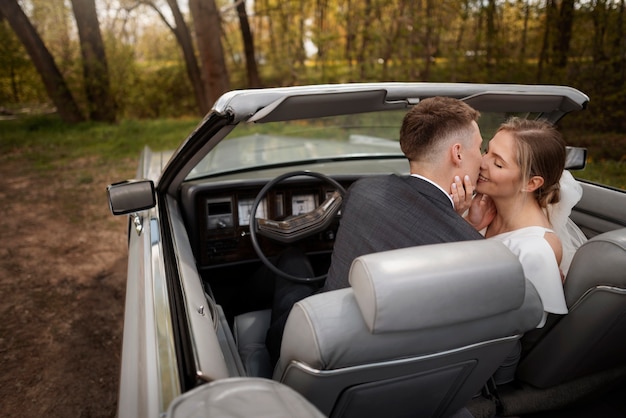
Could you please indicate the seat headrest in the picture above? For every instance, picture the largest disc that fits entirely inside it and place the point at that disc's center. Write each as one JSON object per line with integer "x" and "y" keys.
{"x": 601, "y": 261}
{"x": 436, "y": 285}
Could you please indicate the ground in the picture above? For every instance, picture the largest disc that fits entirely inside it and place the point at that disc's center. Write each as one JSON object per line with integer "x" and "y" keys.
{"x": 62, "y": 281}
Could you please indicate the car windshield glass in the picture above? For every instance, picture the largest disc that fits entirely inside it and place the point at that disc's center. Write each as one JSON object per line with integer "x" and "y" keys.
{"x": 357, "y": 136}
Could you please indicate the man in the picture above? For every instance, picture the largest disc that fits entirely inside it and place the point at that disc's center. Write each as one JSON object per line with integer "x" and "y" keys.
{"x": 441, "y": 139}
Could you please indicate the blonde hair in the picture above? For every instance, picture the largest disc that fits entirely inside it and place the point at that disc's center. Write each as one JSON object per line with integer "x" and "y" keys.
{"x": 540, "y": 152}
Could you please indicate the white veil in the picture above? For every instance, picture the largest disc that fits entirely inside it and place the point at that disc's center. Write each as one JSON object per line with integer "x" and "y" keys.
{"x": 570, "y": 235}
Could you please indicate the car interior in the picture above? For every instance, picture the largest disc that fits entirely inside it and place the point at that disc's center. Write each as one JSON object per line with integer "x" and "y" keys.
{"x": 347, "y": 368}
{"x": 390, "y": 344}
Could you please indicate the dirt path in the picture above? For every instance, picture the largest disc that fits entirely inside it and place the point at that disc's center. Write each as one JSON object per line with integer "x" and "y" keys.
{"x": 62, "y": 286}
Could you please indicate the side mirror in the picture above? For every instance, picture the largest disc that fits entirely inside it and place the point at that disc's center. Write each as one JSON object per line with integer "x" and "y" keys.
{"x": 131, "y": 196}
{"x": 575, "y": 158}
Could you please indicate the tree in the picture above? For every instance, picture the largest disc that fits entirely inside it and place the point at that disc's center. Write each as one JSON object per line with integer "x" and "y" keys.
{"x": 393, "y": 28}
{"x": 351, "y": 34}
{"x": 619, "y": 42}
{"x": 100, "y": 104}
{"x": 491, "y": 36}
{"x": 207, "y": 24}
{"x": 563, "y": 33}
{"x": 13, "y": 64}
{"x": 361, "y": 56}
{"x": 544, "y": 55}
{"x": 429, "y": 37}
{"x": 53, "y": 80}
{"x": 248, "y": 45}
{"x": 524, "y": 33}
{"x": 183, "y": 37}
{"x": 600, "y": 16}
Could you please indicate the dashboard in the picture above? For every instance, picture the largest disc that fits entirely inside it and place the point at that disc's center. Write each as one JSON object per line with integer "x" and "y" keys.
{"x": 218, "y": 217}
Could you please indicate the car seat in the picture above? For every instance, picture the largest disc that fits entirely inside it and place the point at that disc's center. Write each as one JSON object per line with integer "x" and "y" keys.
{"x": 591, "y": 338}
{"x": 418, "y": 334}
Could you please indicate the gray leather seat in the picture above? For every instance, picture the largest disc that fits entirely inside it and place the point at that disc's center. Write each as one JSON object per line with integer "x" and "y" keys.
{"x": 242, "y": 397}
{"x": 591, "y": 338}
{"x": 418, "y": 334}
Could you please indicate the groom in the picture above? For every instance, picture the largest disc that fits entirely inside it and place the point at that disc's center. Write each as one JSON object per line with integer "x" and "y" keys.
{"x": 441, "y": 140}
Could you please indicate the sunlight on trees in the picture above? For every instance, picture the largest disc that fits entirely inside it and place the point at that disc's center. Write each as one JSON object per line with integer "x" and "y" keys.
{"x": 288, "y": 42}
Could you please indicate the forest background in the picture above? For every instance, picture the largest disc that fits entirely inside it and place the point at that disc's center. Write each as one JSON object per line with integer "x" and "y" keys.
{"x": 110, "y": 60}
{"x": 117, "y": 60}
{"x": 113, "y": 75}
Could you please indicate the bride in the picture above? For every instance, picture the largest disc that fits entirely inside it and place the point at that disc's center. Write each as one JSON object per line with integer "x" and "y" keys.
{"x": 524, "y": 197}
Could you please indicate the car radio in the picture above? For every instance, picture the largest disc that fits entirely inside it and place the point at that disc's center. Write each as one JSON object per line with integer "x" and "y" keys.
{"x": 219, "y": 213}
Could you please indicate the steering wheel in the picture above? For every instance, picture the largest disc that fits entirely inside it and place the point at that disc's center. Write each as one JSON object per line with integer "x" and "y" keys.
{"x": 297, "y": 227}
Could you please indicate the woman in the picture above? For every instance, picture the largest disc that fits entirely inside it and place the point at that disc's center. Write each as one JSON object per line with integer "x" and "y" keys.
{"x": 520, "y": 178}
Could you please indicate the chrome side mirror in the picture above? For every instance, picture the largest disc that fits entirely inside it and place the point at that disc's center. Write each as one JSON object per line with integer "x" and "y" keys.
{"x": 131, "y": 196}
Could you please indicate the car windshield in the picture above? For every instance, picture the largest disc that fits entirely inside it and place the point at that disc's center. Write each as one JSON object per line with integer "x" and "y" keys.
{"x": 374, "y": 135}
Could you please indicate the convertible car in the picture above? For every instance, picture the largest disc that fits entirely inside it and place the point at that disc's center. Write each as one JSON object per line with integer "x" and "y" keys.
{"x": 265, "y": 172}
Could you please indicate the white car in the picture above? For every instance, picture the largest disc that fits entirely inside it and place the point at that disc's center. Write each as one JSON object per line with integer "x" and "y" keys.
{"x": 266, "y": 170}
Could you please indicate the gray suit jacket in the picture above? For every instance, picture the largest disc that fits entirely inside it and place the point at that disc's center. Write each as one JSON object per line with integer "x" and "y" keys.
{"x": 389, "y": 212}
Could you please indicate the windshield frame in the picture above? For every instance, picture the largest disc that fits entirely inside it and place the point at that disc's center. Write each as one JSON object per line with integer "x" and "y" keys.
{"x": 553, "y": 102}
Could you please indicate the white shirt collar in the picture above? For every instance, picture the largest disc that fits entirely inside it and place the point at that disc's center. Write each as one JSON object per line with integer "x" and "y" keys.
{"x": 436, "y": 185}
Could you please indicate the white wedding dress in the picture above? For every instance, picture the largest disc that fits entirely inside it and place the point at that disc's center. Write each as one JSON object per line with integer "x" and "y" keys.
{"x": 536, "y": 255}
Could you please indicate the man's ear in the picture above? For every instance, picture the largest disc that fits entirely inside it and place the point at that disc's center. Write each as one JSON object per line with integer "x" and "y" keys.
{"x": 455, "y": 154}
{"x": 533, "y": 184}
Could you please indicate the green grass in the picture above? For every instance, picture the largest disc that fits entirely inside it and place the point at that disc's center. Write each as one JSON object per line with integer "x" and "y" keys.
{"x": 49, "y": 144}
{"x": 609, "y": 172}
{"x": 606, "y": 159}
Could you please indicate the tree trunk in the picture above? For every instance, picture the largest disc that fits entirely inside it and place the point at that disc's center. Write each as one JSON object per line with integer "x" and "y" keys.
{"x": 252, "y": 70}
{"x": 53, "y": 81}
{"x": 545, "y": 44}
{"x": 183, "y": 37}
{"x": 363, "y": 58}
{"x": 350, "y": 35}
{"x": 523, "y": 41}
{"x": 563, "y": 33}
{"x": 491, "y": 55}
{"x": 413, "y": 42}
{"x": 619, "y": 44}
{"x": 267, "y": 24}
{"x": 100, "y": 104}
{"x": 599, "y": 17}
{"x": 478, "y": 33}
{"x": 207, "y": 24}
{"x": 320, "y": 18}
{"x": 429, "y": 48}
{"x": 393, "y": 40}
{"x": 458, "y": 44}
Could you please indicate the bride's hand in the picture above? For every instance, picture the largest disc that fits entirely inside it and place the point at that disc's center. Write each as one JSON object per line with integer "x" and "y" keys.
{"x": 481, "y": 212}
{"x": 461, "y": 193}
